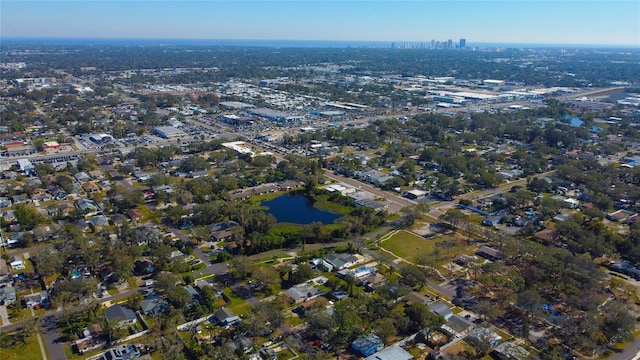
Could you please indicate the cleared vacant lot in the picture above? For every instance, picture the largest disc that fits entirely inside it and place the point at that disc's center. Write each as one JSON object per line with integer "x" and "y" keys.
{"x": 435, "y": 251}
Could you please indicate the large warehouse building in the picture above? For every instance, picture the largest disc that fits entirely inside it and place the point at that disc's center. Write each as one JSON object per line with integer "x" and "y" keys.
{"x": 167, "y": 132}
{"x": 274, "y": 115}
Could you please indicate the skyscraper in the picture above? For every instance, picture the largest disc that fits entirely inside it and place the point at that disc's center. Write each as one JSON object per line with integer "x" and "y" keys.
{"x": 450, "y": 44}
{"x": 463, "y": 43}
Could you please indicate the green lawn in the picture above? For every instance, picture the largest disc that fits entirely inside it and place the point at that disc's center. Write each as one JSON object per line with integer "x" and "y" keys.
{"x": 407, "y": 245}
{"x": 458, "y": 347}
{"x": 27, "y": 351}
{"x": 236, "y": 303}
{"x": 436, "y": 251}
{"x": 286, "y": 354}
{"x": 293, "y": 321}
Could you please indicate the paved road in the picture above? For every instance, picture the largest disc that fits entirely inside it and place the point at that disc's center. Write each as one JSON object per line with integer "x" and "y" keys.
{"x": 396, "y": 202}
{"x": 52, "y": 338}
{"x": 631, "y": 352}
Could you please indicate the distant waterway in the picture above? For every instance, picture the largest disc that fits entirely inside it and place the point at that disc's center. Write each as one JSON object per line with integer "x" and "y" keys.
{"x": 298, "y": 209}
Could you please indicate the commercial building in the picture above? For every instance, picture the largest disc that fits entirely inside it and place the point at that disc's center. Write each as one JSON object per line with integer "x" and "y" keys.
{"x": 100, "y": 138}
{"x": 275, "y": 115}
{"x": 167, "y": 132}
{"x": 25, "y": 165}
{"x": 235, "y": 105}
{"x": 52, "y": 145}
{"x": 463, "y": 43}
{"x": 235, "y": 119}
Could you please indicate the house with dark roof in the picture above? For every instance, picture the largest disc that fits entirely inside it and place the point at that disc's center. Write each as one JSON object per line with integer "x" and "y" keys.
{"x": 195, "y": 295}
{"x": 154, "y": 306}
{"x": 226, "y": 317}
{"x": 457, "y": 326}
{"x": 8, "y": 295}
{"x": 82, "y": 177}
{"x": 440, "y": 308}
{"x": 98, "y": 221}
{"x": 489, "y": 253}
{"x": 90, "y": 187}
{"x": 620, "y": 215}
{"x": 492, "y": 220}
{"x": 45, "y": 232}
{"x": 120, "y": 314}
{"x": 106, "y": 273}
{"x": 341, "y": 261}
{"x": 118, "y": 219}
{"x": 91, "y": 339}
{"x": 37, "y": 299}
{"x": 88, "y": 207}
{"x": 546, "y": 236}
{"x": 81, "y": 223}
{"x": 224, "y": 225}
{"x": 147, "y": 234}
{"x": 221, "y": 235}
{"x": 303, "y": 292}
{"x": 367, "y": 345}
{"x": 134, "y": 214}
{"x": 143, "y": 267}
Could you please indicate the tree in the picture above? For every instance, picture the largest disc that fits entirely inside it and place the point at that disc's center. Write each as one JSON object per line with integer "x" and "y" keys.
{"x": 47, "y": 262}
{"x": 530, "y": 300}
{"x": 413, "y": 213}
{"x": 112, "y": 330}
{"x": 178, "y": 297}
{"x": 166, "y": 282}
{"x": 240, "y": 267}
{"x": 38, "y": 144}
{"x": 453, "y": 217}
{"x": 413, "y": 276}
{"x": 421, "y": 317}
{"x": 266, "y": 279}
{"x": 26, "y": 216}
{"x": 303, "y": 273}
{"x": 617, "y": 322}
{"x": 271, "y": 312}
{"x": 122, "y": 266}
{"x": 384, "y": 328}
{"x": 201, "y": 233}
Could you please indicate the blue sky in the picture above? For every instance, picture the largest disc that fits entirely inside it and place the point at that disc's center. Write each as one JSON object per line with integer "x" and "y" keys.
{"x": 515, "y": 21}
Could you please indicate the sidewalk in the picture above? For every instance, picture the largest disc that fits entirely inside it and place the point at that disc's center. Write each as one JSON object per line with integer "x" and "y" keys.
{"x": 4, "y": 315}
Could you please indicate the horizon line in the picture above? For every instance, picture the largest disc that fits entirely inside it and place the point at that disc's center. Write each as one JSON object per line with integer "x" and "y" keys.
{"x": 469, "y": 44}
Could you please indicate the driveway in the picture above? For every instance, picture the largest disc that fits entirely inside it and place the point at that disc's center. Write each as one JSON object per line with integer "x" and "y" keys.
{"x": 4, "y": 315}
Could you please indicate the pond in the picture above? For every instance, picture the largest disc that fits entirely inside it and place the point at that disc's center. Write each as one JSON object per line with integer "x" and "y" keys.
{"x": 298, "y": 209}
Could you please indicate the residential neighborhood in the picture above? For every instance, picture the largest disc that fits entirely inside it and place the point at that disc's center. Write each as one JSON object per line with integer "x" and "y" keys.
{"x": 327, "y": 206}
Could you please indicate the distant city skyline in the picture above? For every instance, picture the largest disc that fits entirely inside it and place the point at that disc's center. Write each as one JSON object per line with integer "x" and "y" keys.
{"x": 533, "y": 22}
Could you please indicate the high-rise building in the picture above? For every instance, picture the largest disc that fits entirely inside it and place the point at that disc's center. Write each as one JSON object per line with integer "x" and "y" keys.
{"x": 463, "y": 43}
{"x": 450, "y": 44}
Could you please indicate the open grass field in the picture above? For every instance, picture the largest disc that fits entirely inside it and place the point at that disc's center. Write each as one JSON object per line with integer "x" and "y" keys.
{"x": 27, "y": 351}
{"x": 435, "y": 252}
